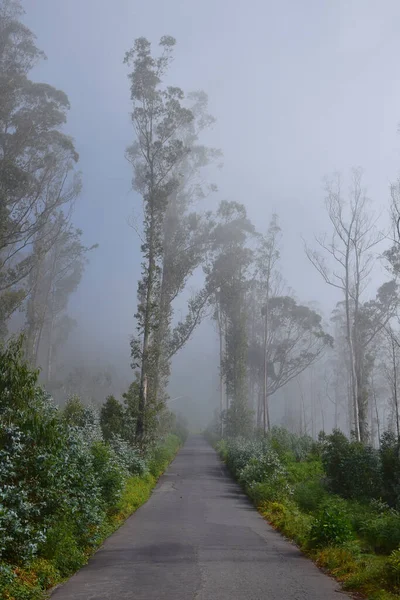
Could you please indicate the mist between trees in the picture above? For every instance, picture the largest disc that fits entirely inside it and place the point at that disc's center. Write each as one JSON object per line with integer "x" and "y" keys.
{"x": 322, "y": 371}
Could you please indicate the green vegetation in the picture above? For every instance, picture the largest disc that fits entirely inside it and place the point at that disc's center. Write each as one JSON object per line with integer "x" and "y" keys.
{"x": 337, "y": 499}
{"x": 63, "y": 487}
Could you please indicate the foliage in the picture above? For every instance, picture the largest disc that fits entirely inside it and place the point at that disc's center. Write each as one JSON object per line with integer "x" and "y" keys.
{"x": 159, "y": 119}
{"x": 162, "y": 453}
{"x": 37, "y": 163}
{"x": 345, "y": 535}
{"x": 112, "y": 418}
{"x": 262, "y": 468}
{"x": 390, "y": 460}
{"x": 63, "y": 488}
{"x": 128, "y": 456}
{"x": 309, "y": 495}
{"x": 353, "y": 470}
{"x": 381, "y": 531}
{"x": 331, "y": 527}
{"x": 393, "y": 567}
{"x": 109, "y": 472}
{"x": 288, "y": 445}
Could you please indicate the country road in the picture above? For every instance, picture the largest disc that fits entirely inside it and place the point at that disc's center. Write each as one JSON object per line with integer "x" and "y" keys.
{"x": 198, "y": 538}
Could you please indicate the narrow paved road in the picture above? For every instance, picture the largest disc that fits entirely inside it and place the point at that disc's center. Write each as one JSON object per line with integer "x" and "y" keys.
{"x": 198, "y": 538}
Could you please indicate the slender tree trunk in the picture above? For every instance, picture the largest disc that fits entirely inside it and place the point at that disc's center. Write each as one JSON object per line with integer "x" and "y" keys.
{"x": 336, "y": 421}
{"x": 266, "y": 419}
{"x": 395, "y": 399}
{"x": 143, "y": 389}
{"x": 353, "y": 372}
{"x": 221, "y": 375}
{"x": 322, "y": 412}
{"x": 377, "y": 418}
{"x": 50, "y": 347}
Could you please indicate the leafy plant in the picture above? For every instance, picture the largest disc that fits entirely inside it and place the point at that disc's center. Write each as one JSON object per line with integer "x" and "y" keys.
{"x": 353, "y": 470}
{"x": 309, "y": 495}
{"x": 331, "y": 527}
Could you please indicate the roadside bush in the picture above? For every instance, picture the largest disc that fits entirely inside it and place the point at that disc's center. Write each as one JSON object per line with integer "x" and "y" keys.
{"x": 239, "y": 452}
{"x": 390, "y": 461}
{"x": 265, "y": 478}
{"x": 222, "y": 449}
{"x": 393, "y": 568}
{"x": 112, "y": 418}
{"x": 331, "y": 527}
{"x": 305, "y": 471}
{"x": 353, "y": 470}
{"x": 289, "y": 446}
{"x": 63, "y": 488}
{"x": 273, "y": 490}
{"x": 128, "y": 456}
{"x": 382, "y": 531}
{"x": 162, "y": 454}
{"x": 261, "y": 468}
{"x": 109, "y": 472}
{"x": 309, "y": 495}
{"x": 61, "y": 547}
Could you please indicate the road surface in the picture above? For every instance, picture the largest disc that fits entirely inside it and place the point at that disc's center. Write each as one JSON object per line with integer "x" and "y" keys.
{"x": 198, "y": 538}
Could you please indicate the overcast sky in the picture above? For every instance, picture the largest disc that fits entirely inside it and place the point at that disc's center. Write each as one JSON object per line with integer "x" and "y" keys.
{"x": 299, "y": 88}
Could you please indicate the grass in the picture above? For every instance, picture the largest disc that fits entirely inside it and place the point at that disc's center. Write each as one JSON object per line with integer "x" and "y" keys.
{"x": 34, "y": 581}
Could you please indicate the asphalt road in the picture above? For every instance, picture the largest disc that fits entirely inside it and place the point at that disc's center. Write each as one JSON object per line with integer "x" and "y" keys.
{"x": 198, "y": 538}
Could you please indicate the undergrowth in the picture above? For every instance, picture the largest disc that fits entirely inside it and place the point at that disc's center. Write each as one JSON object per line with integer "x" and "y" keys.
{"x": 31, "y": 581}
{"x": 302, "y": 492}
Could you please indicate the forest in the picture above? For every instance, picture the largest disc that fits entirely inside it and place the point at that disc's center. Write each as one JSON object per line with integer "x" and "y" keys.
{"x": 306, "y": 406}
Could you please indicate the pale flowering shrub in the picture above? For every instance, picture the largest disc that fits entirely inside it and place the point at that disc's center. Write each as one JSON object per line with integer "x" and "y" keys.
{"x": 128, "y": 456}
{"x": 255, "y": 463}
{"x": 239, "y": 451}
{"x": 57, "y": 479}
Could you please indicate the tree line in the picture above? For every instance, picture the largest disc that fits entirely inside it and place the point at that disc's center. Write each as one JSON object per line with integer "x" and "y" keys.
{"x": 42, "y": 254}
{"x": 268, "y": 340}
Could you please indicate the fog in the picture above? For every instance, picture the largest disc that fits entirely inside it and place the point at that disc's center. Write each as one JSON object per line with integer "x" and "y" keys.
{"x": 299, "y": 90}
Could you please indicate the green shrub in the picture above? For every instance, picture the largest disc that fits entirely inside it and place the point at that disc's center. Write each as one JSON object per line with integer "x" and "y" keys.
{"x": 128, "y": 456}
{"x": 289, "y": 446}
{"x": 46, "y": 573}
{"x": 222, "y": 449}
{"x": 239, "y": 452}
{"x": 274, "y": 490}
{"x": 162, "y": 454}
{"x": 390, "y": 461}
{"x": 309, "y": 495}
{"x": 109, "y": 472}
{"x": 331, "y": 527}
{"x": 306, "y": 470}
{"x": 393, "y": 568}
{"x": 353, "y": 470}
{"x": 382, "y": 531}
{"x": 112, "y": 418}
{"x": 62, "y": 549}
{"x": 261, "y": 468}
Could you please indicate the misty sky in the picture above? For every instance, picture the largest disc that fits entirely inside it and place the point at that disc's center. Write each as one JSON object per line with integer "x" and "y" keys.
{"x": 299, "y": 88}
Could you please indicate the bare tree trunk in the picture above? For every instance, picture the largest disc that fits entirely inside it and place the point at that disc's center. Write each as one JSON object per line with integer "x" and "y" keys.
{"x": 336, "y": 421}
{"x": 322, "y": 412}
{"x": 221, "y": 375}
{"x": 259, "y": 407}
{"x": 266, "y": 420}
{"x": 395, "y": 399}
{"x": 143, "y": 389}
{"x": 49, "y": 363}
{"x": 353, "y": 372}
